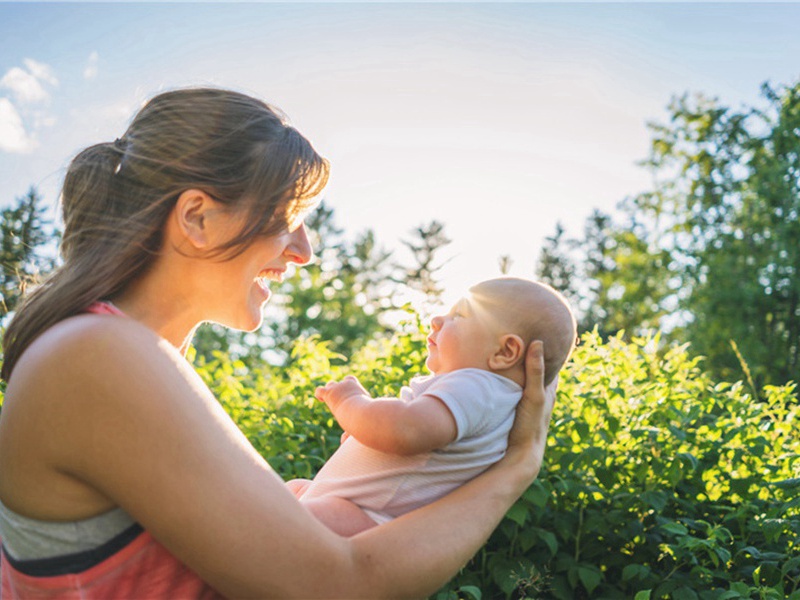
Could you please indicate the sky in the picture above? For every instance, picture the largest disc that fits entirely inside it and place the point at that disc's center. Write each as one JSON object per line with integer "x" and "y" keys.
{"x": 500, "y": 120}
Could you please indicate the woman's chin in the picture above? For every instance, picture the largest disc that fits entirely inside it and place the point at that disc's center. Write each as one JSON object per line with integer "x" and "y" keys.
{"x": 255, "y": 319}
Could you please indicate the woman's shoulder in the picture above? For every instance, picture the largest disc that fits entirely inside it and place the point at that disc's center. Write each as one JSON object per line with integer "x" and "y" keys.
{"x": 90, "y": 337}
{"x": 88, "y": 380}
{"x": 90, "y": 351}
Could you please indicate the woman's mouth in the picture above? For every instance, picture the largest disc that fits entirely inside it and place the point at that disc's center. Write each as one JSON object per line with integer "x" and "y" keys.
{"x": 266, "y": 275}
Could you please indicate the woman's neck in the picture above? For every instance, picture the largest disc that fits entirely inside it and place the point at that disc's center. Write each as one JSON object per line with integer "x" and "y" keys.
{"x": 157, "y": 306}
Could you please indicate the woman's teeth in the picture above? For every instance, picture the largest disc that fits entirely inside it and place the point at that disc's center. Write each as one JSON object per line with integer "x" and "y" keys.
{"x": 267, "y": 275}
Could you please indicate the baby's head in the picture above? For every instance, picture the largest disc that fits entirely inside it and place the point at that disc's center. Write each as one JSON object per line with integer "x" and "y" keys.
{"x": 493, "y": 325}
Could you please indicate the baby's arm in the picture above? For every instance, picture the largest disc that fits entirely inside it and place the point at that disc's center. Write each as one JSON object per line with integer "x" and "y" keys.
{"x": 388, "y": 424}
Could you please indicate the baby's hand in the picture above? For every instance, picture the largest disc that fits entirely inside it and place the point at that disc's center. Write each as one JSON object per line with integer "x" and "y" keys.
{"x": 336, "y": 392}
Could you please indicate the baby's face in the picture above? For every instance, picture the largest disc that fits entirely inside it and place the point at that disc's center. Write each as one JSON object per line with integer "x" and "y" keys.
{"x": 463, "y": 338}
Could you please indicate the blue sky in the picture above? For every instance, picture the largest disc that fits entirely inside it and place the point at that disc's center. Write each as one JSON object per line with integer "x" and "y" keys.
{"x": 498, "y": 119}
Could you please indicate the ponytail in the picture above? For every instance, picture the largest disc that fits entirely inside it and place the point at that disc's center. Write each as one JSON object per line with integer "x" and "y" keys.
{"x": 117, "y": 196}
{"x": 100, "y": 253}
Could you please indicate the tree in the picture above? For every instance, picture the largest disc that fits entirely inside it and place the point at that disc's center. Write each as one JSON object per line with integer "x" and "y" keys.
{"x": 728, "y": 201}
{"x": 611, "y": 276}
{"x": 23, "y": 232}
{"x": 555, "y": 266}
{"x": 504, "y": 262}
{"x": 709, "y": 255}
{"x": 341, "y": 296}
{"x": 421, "y": 277}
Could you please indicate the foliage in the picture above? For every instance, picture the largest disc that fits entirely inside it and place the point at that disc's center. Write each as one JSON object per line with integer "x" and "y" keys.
{"x": 23, "y": 231}
{"x": 732, "y": 211}
{"x": 422, "y": 277}
{"x": 658, "y": 483}
{"x": 710, "y": 254}
{"x": 275, "y": 406}
{"x": 656, "y": 478}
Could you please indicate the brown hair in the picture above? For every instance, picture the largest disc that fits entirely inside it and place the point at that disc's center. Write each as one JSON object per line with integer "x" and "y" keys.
{"x": 117, "y": 196}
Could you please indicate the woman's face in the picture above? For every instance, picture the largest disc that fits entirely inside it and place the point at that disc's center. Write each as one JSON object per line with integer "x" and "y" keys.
{"x": 243, "y": 285}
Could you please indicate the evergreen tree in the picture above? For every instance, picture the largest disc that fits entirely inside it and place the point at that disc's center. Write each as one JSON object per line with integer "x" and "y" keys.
{"x": 341, "y": 296}
{"x": 23, "y": 233}
{"x": 422, "y": 276}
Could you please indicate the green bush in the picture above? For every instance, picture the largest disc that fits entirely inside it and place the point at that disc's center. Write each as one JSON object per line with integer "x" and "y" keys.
{"x": 658, "y": 483}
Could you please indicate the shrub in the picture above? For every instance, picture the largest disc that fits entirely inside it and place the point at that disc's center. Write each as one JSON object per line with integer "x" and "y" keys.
{"x": 658, "y": 483}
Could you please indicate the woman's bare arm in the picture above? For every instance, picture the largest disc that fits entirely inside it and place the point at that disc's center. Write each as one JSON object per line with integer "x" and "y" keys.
{"x": 119, "y": 411}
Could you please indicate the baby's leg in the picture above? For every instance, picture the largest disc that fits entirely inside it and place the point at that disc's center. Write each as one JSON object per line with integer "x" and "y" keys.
{"x": 339, "y": 515}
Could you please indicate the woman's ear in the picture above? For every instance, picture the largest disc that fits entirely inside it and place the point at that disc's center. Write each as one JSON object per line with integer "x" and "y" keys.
{"x": 509, "y": 353}
{"x": 190, "y": 217}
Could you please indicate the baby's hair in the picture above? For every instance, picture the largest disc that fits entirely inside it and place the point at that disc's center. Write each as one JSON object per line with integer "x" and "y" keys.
{"x": 117, "y": 195}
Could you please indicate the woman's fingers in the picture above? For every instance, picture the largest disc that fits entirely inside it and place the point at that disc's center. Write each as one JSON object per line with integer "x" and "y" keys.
{"x": 532, "y": 420}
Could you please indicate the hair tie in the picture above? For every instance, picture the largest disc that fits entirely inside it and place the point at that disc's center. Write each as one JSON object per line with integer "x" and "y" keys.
{"x": 120, "y": 146}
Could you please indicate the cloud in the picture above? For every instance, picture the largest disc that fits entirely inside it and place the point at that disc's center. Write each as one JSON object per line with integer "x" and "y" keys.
{"x": 41, "y": 71}
{"x": 13, "y": 137}
{"x": 29, "y": 86}
{"x": 90, "y": 71}
{"x": 24, "y": 86}
{"x": 22, "y": 114}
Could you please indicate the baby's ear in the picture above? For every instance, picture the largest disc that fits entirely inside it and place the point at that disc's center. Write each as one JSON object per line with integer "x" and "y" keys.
{"x": 510, "y": 352}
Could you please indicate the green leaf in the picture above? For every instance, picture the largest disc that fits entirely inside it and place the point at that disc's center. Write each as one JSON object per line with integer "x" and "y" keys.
{"x": 536, "y": 494}
{"x": 730, "y": 595}
{"x": 590, "y": 577}
{"x": 655, "y": 499}
{"x": 741, "y": 588}
{"x": 518, "y": 513}
{"x": 634, "y": 571}
{"x": 790, "y": 565}
{"x": 642, "y": 595}
{"x": 503, "y": 571}
{"x": 684, "y": 593}
{"x": 674, "y": 528}
{"x": 549, "y": 538}
{"x": 472, "y": 591}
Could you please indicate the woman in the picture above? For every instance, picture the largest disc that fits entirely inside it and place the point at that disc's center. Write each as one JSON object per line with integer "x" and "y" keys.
{"x": 120, "y": 475}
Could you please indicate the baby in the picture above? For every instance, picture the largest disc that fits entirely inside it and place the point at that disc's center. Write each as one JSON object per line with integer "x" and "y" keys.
{"x": 402, "y": 453}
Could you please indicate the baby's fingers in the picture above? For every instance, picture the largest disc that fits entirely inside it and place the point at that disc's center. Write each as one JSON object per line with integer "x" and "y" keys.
{"x": 322, "y": 392}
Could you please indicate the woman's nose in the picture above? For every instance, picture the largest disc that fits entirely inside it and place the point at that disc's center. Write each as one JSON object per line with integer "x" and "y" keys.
{"x": 299, "y": 249}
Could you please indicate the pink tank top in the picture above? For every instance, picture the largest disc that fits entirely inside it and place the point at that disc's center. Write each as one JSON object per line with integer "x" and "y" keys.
{"x": 133, "y": 565}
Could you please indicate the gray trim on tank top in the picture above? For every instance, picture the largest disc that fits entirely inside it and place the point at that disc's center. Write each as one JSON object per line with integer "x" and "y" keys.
{"x": 27, "y": 539}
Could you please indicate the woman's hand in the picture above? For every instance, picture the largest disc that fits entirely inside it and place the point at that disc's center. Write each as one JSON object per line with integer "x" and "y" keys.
{"x": 528, "y": 437}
